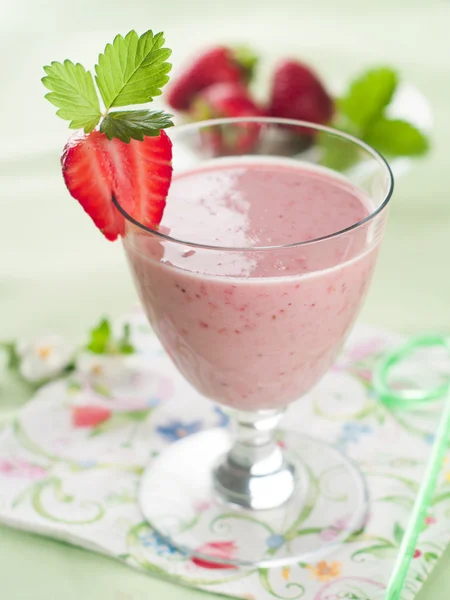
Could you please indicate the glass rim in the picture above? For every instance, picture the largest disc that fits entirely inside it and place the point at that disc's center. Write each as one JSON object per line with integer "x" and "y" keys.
{"x": 196, "y": 125}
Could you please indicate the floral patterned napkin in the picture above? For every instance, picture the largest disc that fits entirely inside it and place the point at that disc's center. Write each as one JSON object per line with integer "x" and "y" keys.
{"x": 70, "y": 465}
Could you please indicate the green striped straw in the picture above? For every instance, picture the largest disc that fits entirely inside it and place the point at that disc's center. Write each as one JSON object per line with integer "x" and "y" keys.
{"x": 409, "y": 399}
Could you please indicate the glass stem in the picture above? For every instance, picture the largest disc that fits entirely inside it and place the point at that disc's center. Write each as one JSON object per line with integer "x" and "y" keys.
{"x": 255, "y": 473}
{"x": 254, "y": 438}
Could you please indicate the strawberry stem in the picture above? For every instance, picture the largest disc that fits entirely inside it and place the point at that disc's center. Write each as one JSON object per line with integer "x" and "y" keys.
{"x": 247, "y": 61}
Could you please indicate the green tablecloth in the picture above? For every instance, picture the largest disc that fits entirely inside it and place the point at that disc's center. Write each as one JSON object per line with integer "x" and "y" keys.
{"x": 49, "y": 278}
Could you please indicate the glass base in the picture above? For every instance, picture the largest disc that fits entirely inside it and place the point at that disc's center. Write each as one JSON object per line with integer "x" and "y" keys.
{"x": 179, "y": 501}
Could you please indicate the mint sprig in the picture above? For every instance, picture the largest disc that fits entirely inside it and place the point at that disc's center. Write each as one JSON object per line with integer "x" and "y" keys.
{"x": 395, "y": 137}
{"x": 368, "y": 96}
{"x": 132, "y": 70}
{"x": 363, "y": 112}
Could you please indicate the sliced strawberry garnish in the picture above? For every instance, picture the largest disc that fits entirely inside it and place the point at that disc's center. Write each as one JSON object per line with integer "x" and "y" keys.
{"x": 87, "y": 175}
{"x": 143, "y": 174}
{"x": 137, "y": 174}
{"x": 89, "y": 416}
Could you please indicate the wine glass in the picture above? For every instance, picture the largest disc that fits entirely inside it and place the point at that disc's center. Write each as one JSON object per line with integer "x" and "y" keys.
{"x": 257, "y": 496}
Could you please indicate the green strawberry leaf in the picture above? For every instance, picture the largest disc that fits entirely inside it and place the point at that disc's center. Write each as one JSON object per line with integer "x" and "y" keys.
{"x": 72, "y": 91}
{"x": 368, "y": 96}
{"x": 132, "y": 70}
{"x": 100, "y": 338}
{"x": 395, "y": 137}
{"x": 134, "y": 124}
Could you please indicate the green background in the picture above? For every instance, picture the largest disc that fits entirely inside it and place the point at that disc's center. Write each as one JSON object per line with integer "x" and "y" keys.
{"x": 58, "y": 274}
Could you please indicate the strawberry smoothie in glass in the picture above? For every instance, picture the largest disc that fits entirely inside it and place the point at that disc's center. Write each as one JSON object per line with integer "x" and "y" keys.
{"x": 252, "y": 282}
{"x": 252, "y": 242}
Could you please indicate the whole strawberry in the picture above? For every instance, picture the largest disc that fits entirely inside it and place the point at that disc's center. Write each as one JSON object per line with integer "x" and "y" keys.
{"x": 228, "y": 100}
{"x": 225, "y": 100}
{"x": 220, "y": 64}
{"x": 297, "y": 93}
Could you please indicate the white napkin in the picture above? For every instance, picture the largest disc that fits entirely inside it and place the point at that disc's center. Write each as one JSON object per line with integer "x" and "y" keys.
{"x": 66, "y": 477}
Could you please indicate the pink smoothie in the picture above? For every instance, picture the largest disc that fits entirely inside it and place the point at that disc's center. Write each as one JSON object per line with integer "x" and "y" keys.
{"x": 255, "y": 328}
